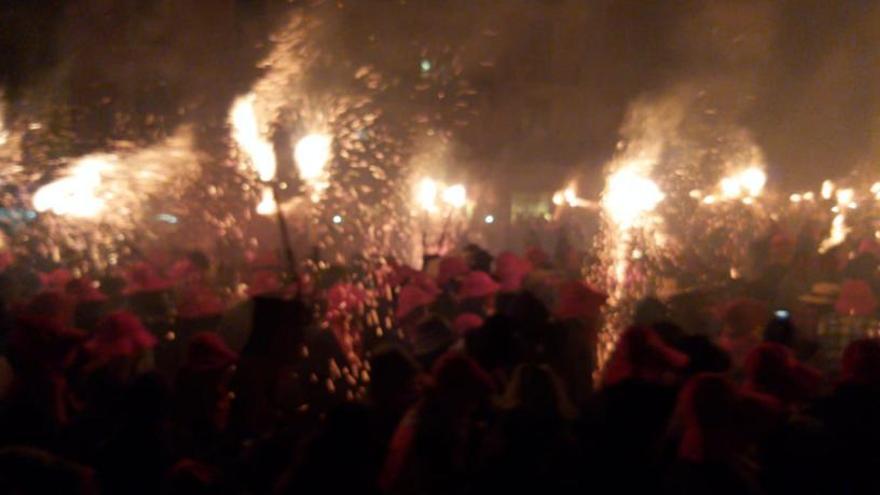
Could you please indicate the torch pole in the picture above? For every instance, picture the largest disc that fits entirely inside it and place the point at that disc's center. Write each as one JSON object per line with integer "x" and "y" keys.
{"x": 283, "y": 230}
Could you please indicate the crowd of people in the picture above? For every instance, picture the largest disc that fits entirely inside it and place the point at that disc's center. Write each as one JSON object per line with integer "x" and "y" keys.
{"x": 473, "y": 374}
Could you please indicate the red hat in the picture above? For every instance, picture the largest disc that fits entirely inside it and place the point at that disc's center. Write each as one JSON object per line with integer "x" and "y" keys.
{"x": 450, "y": 268}
{"x": 143, "y": 278}
{"x": 199, "y": 302}
{"x": 412, "y": 297}
{"x": 208, "y": 352}
{"x": 576, "y": 299}
{"x": 641, "y": 353}
{"x": 57, "y": 279}
{"x": 772, "y": 369}
{"x": 856, "y": 299}
{"x": 263, "y": 282}
{"x": 861, "y": 362}
{"x": 510, "y": 270}
{"x": 477, "y": 284}
{"x": 466, "y": 322}
{"x": 84, "y": 290}
{"x": 119, "y": 334}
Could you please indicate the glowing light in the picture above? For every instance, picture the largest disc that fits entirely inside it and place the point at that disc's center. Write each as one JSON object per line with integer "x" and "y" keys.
{"x": 809, "y": 196}
{"x": 312, "y": 154}
{"x": 795, "y": 198}
{"x": 827, "y": 189}
{"x": 845, "y": 196}
{"x": 709, "y": 200}
{"x": 838, "y": 233}
{"x": 267, "y": 205}
{"x": 337, "y": 219}
{"x": 455, "y": 196}
{"x": 875, "y": 189}
{"x": 75, "y": 194}
{"x": 490, "y": 219}
{"x": 558, "y": 198}
{"x": 629, "y": 196}
{"x": 695, "y": 194}
{"x": 167, "y": 218}
{"x": 749, "y": 182}
{"x": 426, "y": 194}
{"x": 425, "y": 65}
{"x": 246, "y": 132}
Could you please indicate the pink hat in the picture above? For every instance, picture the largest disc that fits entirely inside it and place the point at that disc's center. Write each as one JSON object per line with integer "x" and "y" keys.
{"x": 451, "y": 267}
{"x": 856, "y": 299}
{"x": 576, "y": 299}
{"x": 199, "y": 302}
{"x": 510, "y": 270}
{"x": 477, "y": 284}
{"x": 119, "y": 334}
{"x": 411, "y": 298}
{"x": 466, "y": 322}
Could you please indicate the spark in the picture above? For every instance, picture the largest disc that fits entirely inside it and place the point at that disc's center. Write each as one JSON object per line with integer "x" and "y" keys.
{"x": 490, "y": 219}
{"x": 795, "y": 198}
{"x": 838, "y": 233}
{"x": 337, "y": 219}
{"x": 247, "y": 134}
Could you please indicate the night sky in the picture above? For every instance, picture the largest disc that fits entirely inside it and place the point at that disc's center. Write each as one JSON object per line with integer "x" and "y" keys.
{"x": 554, "y": 79}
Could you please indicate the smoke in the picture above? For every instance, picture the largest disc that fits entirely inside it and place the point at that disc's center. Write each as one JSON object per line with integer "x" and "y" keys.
{"x": 550, "y": 82}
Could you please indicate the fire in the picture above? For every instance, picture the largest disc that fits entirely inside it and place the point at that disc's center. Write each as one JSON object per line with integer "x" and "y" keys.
{"x": 746, "y": 183}
{"x": 312, "y": 154}
{"x": 629, "y": 196}
{"x": 838, "y": 233}
{"x": 827, "y": 189}
{"x": 267, "y": 205}
{"x": 246, "y": 132}
{"x": 455, "y": 196}
{"x": 76, "y": 194}
{"x": 426, "y": 195}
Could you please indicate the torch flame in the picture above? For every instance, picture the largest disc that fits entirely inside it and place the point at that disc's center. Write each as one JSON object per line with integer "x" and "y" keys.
{"x": 76, "y": 193}
{"x": 246, "y": 132}
{"x": 749, "y": 183}
{"x": 311, "y": 154}
{"x": 455, "y": 196}
{"x": 629, "y": 196}
{"x": 426, "y": 194}
{"x": 267, "y": 205}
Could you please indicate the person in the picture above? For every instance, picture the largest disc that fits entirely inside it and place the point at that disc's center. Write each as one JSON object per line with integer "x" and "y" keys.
{"x": 432, "y": 450}
{"x": 718, "y": 424}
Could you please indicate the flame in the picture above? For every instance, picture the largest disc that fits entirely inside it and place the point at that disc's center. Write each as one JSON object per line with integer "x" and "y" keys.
{"x": 455, "y": 196}
{"x": 746, "y": 183}
{"x": 827, "y": 189}
{"x": 838, "y": 233}
{"x": 845, "y": 196}
{"x": 246, "y": 132}
{"x": 426, "y": 194}
{"x": 312, "y": 154}
{"x": 75, "y": 194}
{"x": 629, "y": 196}
{"x": 267, "y": 205}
